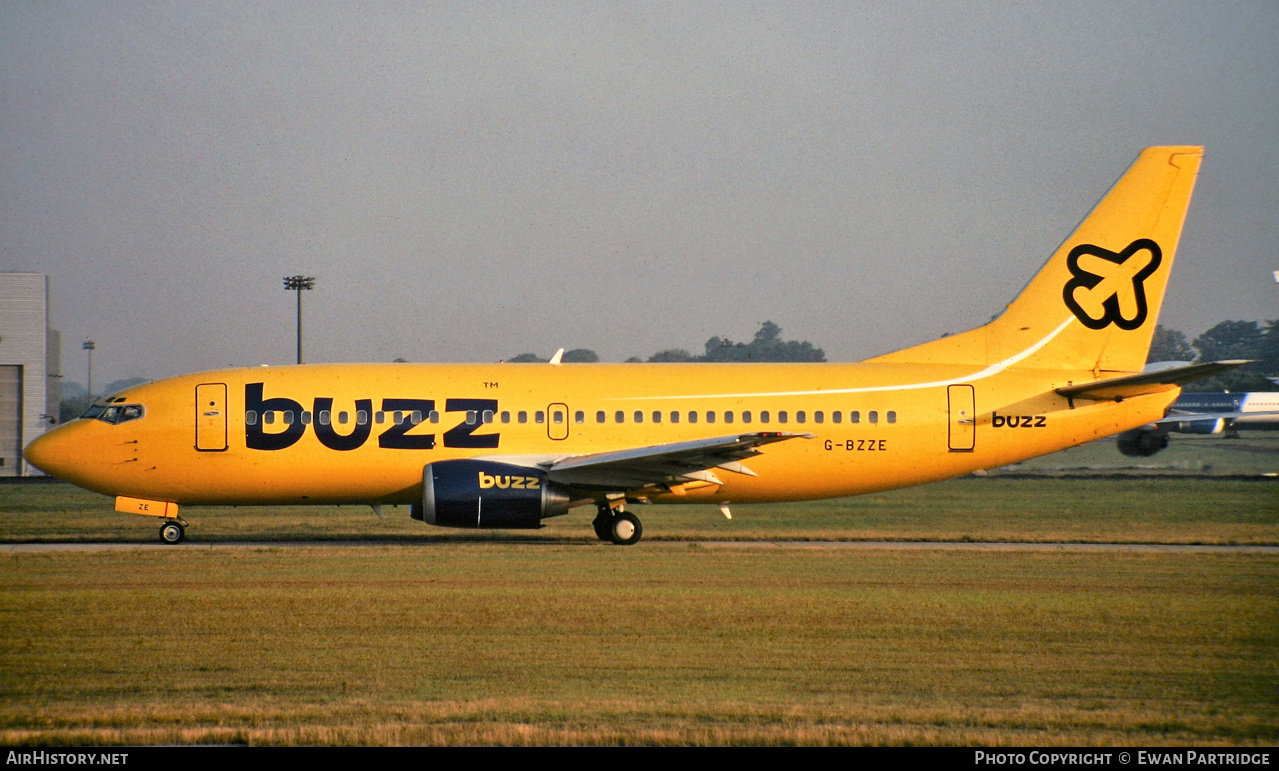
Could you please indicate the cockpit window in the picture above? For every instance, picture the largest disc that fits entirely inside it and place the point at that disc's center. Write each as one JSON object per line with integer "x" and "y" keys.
{"x": 114, "y": 413}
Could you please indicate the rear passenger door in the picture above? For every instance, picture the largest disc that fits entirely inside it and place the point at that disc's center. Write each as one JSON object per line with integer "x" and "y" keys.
{"x": 961, "y": 404}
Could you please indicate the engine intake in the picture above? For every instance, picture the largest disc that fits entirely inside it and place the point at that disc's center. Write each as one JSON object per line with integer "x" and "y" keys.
{"x": 485, "y": 494}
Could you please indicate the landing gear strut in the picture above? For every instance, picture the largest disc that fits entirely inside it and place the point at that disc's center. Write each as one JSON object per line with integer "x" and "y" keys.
{"x": 173, "y": 531}
{"x": 621, "y": 527}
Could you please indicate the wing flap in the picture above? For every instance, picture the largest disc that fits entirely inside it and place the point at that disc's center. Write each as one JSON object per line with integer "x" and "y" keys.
{"x": 657, "y": 464}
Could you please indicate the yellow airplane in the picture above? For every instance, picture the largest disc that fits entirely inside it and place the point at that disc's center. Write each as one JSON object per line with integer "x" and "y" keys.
{"x": 506, "y": 446}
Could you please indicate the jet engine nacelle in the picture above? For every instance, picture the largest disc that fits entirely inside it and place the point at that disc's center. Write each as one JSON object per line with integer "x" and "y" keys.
{"x": 1142, "y": 442}
{"x": 485, "y": 494}
{"x": 1210, "y": 426}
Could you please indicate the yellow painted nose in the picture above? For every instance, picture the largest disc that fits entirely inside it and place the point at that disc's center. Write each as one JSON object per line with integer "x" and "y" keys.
{"x": 51, "y": 453}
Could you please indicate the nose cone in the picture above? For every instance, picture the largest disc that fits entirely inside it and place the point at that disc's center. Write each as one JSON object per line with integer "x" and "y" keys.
{"x": 51, "y": 453}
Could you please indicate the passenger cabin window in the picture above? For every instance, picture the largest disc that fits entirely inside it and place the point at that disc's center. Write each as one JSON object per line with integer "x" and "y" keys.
{"x": 892, "y": 416}
{"x": 873, "y": 416}
{"x": 600, "y": 416}
{"x": 619, "y": 417}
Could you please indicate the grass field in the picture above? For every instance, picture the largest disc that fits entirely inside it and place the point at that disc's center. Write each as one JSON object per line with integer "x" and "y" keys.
{"x": 425, "y": 636}
{"x": 662, "y": 643}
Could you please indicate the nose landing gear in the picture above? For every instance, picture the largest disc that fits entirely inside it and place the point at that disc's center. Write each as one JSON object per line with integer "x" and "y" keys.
{"x": 173, "y": 531}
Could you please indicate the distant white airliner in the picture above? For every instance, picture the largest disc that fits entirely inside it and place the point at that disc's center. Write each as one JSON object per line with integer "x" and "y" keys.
{"x": 1204, "y": 413}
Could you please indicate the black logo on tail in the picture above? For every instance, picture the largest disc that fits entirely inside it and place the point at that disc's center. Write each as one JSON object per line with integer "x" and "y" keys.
{"x": 1106, "y": 287}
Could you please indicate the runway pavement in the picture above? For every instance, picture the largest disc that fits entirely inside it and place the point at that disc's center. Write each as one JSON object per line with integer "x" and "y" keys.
{"x": 1003, "y": 546}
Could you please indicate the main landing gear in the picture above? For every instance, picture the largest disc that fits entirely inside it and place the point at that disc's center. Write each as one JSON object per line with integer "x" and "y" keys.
{"x": 621, "y": 527}
{"x": 173, "y": 531}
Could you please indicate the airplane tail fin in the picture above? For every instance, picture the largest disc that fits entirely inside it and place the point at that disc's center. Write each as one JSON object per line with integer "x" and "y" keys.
{"x": 1094, "y": 304}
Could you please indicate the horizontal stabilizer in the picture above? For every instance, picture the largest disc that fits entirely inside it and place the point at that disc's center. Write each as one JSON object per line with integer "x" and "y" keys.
{"x": 1148, "y": 382}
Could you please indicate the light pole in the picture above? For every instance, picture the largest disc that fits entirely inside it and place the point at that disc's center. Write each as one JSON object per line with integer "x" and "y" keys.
{"x": 297, "y": 284}
{"x": 89, "y": 346}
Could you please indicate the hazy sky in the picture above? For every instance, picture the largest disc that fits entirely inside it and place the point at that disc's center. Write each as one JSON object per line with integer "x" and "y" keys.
{"x": 469, "y": 181}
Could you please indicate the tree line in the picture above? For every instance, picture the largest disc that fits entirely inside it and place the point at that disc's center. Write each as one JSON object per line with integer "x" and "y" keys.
{"x": 1254, "y": 340}
{"x": 767, "y": 345}
{"x": 1257, "y": 341}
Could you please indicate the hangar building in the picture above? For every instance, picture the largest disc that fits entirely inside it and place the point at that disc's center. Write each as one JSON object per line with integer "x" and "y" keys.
{"x": 30, "y": 368}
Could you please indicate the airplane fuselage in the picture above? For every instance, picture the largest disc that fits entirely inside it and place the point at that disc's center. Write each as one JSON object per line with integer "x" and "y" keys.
{"x": 347, "y": 434}
{"x": 1255, "y": 410}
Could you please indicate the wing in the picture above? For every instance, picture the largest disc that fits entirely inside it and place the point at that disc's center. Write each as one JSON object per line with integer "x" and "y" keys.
{"x": 659, "y": 464}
